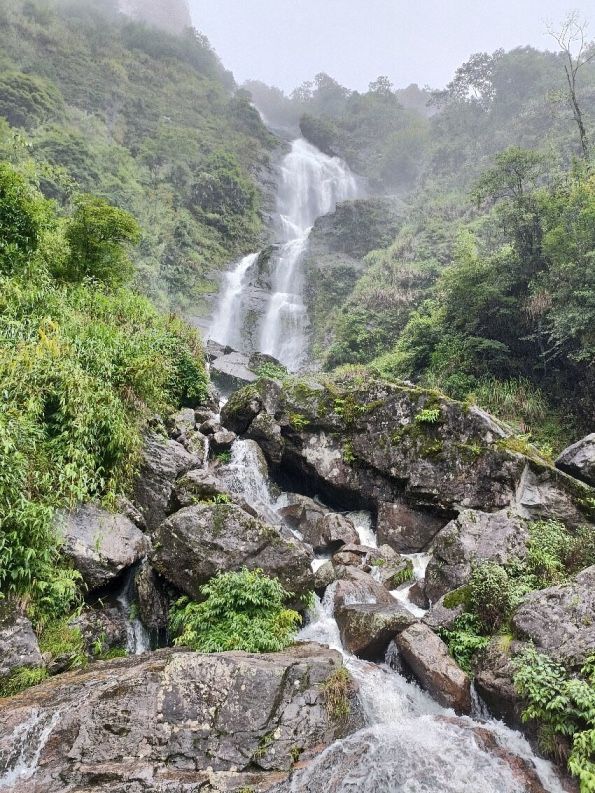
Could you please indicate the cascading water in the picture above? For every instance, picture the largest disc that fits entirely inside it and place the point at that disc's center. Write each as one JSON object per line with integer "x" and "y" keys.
{"x": 410, "y": 744}
{"x": 311, "y": 185}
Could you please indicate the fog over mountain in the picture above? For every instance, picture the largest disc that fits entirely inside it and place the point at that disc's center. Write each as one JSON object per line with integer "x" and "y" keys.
{"x": 284, "y": 43}
{"x": 173, "y": 15}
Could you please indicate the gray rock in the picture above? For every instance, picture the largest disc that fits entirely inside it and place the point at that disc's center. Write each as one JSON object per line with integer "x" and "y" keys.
{"x": 578, "y": 460}
{"x": 267, "y": 433}
{"x": 152, "y": 599}
{"x": 18, "y": 642}
{"x": 494, "y": 680}
{"x": 197, "y": 485}
{"x": 102, "y": 630}
{"x": 324, "y": 576}
{"x": 163, "y": 461}
{"x": 417, "y": 594}
{"x": 168, "y": 722}
{"x": 560, "y": 620}
{"x": 232, "y": 371}
{"x": 439, "y": 616}
{"x": 302, "y": 514}
{"x": 545, "y": 493}
{"x": 367, "y": 630}
{"x": 473, "y": 536}
{"x": 407, "y": 530}
{"x": 129, "y": 510}
{"x": 100, "y": 544}
{"x": 181, "y": 422}
{"x": 223, "y": 440}
{"x": 199, "y": 541}
{"x": 354, "y": 586}
{"x": 428, "y": 658}
{"x": 336, "y": 530}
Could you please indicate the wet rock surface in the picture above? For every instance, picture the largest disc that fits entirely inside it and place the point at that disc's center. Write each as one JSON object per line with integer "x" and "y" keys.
{"x": 170, "y": 719}
{"x": 367, "y": 630}
{"x": 100, "y": 544}
{"x": 428, "y": 658}
{"x": 18, "y": 642}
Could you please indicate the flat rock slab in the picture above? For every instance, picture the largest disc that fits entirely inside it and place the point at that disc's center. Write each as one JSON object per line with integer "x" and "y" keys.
{"x": 173, "y": 714}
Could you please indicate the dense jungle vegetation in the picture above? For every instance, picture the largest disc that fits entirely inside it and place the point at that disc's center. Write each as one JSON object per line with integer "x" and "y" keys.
{"x": 147, "y": 120}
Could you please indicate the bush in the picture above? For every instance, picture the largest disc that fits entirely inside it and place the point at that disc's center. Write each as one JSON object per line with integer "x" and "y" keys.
{"x": 23, "y": 213}
{"x": 241, "y": 611}
{"x": 465, "y": 639}
{"x": 490, "y": 595}
{"x": 563, "y": 705}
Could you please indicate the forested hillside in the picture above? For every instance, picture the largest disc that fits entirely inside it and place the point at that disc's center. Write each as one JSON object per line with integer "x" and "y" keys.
{"x": 488, "y": 289}
{"x": 150, "y": 121}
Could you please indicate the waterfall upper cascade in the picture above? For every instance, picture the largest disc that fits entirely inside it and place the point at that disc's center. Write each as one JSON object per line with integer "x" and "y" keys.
{"x": 311, "y": 185}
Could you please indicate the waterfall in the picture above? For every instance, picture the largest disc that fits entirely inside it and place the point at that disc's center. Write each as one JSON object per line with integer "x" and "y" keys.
{"x": 311, "y": 185}
{"x": 410, "y": 744}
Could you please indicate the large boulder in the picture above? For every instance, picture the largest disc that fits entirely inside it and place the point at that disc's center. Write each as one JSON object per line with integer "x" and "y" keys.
{"x": 354, "y": 586}
{"x": 152, "y": 598}
{"x": 169, "y": 722}
{"x": 197, "y": 542}
{"x": 18, "y": 644}
{"x": 231, "y": 371}
{"x": 560, "y": 620}
{"x": 367, "y": 630}
{"x": 100, "y": 544}
{"x": 493, "y": 680}
{"x": 428, "y": 658}
{"x": 578, "y": 460}
{"x": 545, "y": 493}
{"x": 163, "y": 461}
{"x": 416, "y": 457}
{"x": 102, "y": 629}
{"x": 473, "y": 537}
{"x": 407, "y": 530}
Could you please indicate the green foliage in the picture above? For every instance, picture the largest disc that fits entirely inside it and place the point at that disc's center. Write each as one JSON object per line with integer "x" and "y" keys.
{"x": 97, "y": 235}
{"x": 336, "y": 690}
{"x": 240, "y": 611}
{"x": 28, "y": 101}
{"x": 272, "y": 371}
{"x": 64, "y": 644}
{"x": 23, "y": 215}
{"x": 20, "y": 679}
{"x": 465, "y": 639}
{"x": 81, "y": 369}
{"x": 428, "y": 416}
{"x": 490, "y": 595}
{"x": 224, "y": 457}
{"x": 563, "y": 705}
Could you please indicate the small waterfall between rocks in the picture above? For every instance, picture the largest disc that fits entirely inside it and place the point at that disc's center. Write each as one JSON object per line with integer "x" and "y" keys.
{"x": 410, "y": 743}
{"x": 311, "y": 185}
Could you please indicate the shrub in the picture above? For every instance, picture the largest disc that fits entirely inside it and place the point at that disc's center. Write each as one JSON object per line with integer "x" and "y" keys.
{"x": 241, "y": 611}
{"x": 563, "y": 705}
{"x": 490, "y": 595}
{"x": 336, "y": 690}
{"x": 465, "y": 639}
{"x": 21, "y": 679}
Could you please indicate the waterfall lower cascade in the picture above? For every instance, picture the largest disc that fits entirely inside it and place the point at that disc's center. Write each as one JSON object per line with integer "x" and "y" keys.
{"x": 410, "y": 743}
{"x": 311, "y": 185}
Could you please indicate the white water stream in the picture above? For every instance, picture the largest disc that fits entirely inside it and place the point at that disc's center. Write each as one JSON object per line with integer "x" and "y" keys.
{"x": 311, "y": 185}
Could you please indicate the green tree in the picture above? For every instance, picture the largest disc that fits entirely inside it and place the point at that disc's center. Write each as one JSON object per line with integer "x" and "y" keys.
{"x": 23, "y": 215}
{"x": 98, "y": 235}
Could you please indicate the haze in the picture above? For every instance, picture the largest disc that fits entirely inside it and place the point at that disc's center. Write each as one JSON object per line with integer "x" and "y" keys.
{"x": 284, "y": 42}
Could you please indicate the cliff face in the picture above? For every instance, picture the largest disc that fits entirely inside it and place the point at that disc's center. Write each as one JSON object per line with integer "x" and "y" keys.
{"x": 172, "y": 15}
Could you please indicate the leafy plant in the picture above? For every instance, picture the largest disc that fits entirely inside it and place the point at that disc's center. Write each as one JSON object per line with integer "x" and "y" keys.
{"x": 490, "y": 595}
{"x": 465, "y": 639}
{"x": 20, "y": 679}
{"x": 428, "y": 416}
{"x": 223, "y": 457}
{"x": 241, "y": 611}
{"x": 563, "y": 705}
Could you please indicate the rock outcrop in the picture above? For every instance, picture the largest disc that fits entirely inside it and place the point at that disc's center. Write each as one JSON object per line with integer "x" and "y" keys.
{"x": 197, "y": 542}
{"x": 170, "y": 721}
{"x": 163, "y": 461}
{"x": 100, "y": 544}
{"x": 473, "y": 537}
{"x": 367, "y": 630}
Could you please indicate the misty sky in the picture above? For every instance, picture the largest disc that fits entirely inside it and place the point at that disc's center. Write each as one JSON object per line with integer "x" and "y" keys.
{"x": 284, "y": 42}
